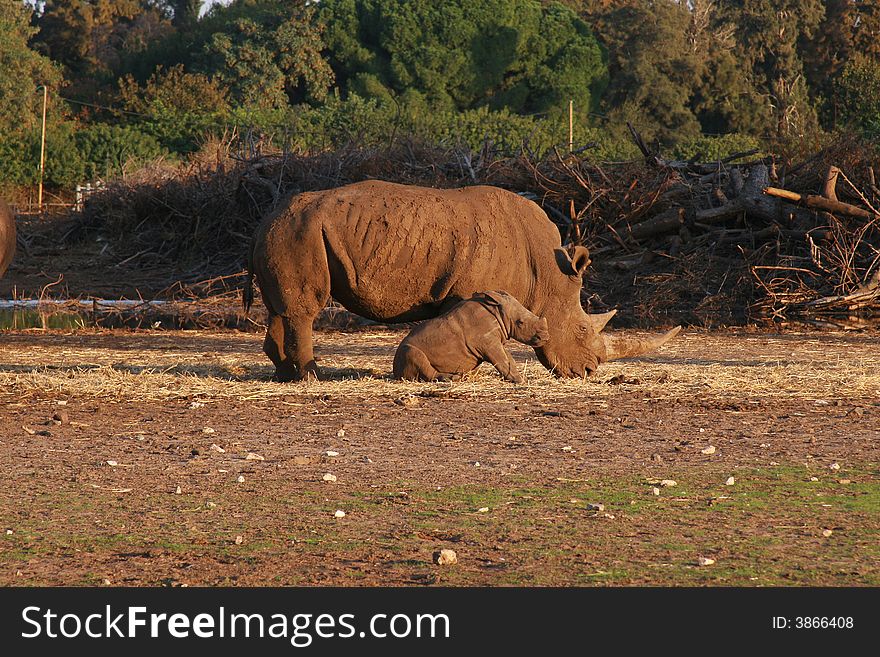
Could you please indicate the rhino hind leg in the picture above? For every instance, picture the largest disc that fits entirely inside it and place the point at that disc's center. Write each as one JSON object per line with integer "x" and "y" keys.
{"x": 288, "y": 344}
{"x": 411, "y": 364}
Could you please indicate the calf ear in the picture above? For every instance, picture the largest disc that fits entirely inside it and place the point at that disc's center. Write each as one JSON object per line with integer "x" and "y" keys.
{"x": 493, "y": 298}
{"x": 573, "y": 260}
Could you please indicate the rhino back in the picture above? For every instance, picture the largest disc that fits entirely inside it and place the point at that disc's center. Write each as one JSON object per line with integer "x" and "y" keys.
{"x": 7, "y": 236}
{"x": 399, "y": 252}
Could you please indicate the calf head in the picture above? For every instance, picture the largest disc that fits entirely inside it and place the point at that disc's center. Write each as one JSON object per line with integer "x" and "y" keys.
{"x": 520, "y": 324}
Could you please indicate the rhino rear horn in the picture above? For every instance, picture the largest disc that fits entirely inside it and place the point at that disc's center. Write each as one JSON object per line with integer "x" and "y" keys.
{"x": 616, "y": 347}
{"x": 601, "y": 319}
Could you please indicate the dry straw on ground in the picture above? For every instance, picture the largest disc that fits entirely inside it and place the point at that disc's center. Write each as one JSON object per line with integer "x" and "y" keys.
{"x": 197, "y": 365}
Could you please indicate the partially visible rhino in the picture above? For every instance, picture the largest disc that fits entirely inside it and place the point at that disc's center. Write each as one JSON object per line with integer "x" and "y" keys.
{"x": 472, "y": 332}
{"x": 400, "y": 253}
{"x": 7, "y": 236}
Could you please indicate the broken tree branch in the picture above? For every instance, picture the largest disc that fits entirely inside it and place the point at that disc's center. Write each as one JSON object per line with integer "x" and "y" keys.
{"x": 819, "y": 203}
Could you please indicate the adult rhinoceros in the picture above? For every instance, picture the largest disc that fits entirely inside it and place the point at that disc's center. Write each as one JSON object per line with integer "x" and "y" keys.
{"x": 400, "y": 253}
{"x": 7, "y": 236}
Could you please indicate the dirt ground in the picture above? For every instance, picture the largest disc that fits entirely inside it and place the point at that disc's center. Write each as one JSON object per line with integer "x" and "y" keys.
{"x": 145, "y": 476}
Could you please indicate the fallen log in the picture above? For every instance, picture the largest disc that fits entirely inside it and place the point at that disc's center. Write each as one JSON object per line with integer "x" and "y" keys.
{"x": 816, "y": 202}
{"x": 665, "y": 222}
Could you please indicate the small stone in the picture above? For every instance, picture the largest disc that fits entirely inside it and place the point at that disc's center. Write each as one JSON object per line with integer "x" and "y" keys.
{"x": 61, "y": 416}
{"x": 61, "y": 402}
{"x": 196, "y": 404}
{"x": 826, "y": 533}
{"x": 239, "y": 540}
{"x": 366, "y": 459}
{"x": 668, "y": 483}
{"x": 567, "y": 448}
{"x": 705, "y": 561}
{"x": 9, "y": 532}
{"x": 208, "y": 430}
{"x": 656, "y": 458}
{"x": 329, "y": 477}
{"x": 610, "y": 516}
{"x": 445, "y": 557}
{"x": 178, "y": 491}
{"x": 844, "y": 481}
{"x": 339, "y": 513}
{"x": 28, "y": 430}
{"x": 112, "y": 464}
{"x": 340, "y": 433}
{"x": 702, "y": 430}
{"x": 708, "y": 450}
{"x": 573, "y": 501}
{"x": 331, "y": 453}
{"x": 216, "y": 448}
{"x": 730, "y": 481}
{"x": 814, "y": 478}
{"x": 655, "y": 491}
{"x": 240, "y": 479}
{"x": 483, "y": 509}
{"x": 834, "y": 466}
{"x": 210, "y": 505}
{"x": 595, "y": 507}
{"x": 409, "y": 401}
{"x": 106, "y": 582}
{"x": 251, "y": 456}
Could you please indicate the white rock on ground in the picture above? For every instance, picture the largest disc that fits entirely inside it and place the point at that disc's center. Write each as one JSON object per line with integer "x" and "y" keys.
{"x": 445, "y": 557}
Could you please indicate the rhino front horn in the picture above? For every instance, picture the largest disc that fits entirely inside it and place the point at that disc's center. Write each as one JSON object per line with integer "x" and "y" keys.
{"x": 627, "y": 347}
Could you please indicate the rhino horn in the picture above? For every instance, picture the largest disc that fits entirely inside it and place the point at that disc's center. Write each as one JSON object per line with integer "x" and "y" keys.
{"x": 616, "y": 347}
{"x": 600, "y": 320}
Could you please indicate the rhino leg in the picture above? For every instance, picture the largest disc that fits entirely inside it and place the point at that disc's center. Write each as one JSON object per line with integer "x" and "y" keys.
{"x": 504, "y": 363}
{"x": 411, "y": 364}
{"x": 288, "y": 345}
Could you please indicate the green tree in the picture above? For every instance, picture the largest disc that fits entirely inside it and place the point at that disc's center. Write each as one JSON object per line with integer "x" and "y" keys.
{"x": 460, "y": 54}
{"x": 23, "y": 70}
{"x": 770, "y": 36}
{"x": 858, "y": 90}
{"x": 267, "y": 52}
{"x": 653, "y": 67}
{"x": 176, "y": 107}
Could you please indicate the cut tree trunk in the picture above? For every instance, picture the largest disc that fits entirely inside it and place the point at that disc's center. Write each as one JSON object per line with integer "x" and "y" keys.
{"x": 820, "y": 203}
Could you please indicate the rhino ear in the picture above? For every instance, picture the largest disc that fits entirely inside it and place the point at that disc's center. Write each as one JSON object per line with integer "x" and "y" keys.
{"x": 494, "y": 298}
{"x": 573, "y": 260}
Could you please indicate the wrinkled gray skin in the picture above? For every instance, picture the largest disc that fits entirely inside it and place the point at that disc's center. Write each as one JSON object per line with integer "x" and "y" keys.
{"x": 400, "y": 253}
{"x": 471, "y": 333}
{"x": 7, "y": 236}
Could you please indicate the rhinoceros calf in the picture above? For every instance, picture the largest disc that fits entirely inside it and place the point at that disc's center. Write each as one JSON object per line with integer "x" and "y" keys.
{"x": 471, "y": 333}
{"x": 7, "y": 236}
{"x": 400, "y": 253}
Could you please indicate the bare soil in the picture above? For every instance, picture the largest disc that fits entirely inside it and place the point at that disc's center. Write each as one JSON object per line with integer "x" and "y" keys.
{"x": 144, "y": 478}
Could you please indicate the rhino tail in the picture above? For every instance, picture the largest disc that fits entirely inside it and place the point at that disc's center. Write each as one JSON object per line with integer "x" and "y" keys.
{"x": 618, "y": 347}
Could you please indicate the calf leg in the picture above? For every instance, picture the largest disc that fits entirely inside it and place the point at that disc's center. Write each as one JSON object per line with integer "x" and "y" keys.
{"x": 503, "y": 362}
{"x": 411, "y": 364}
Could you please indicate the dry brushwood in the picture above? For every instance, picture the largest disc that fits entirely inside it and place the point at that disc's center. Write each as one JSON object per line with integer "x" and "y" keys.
{"x": 743, "y": 237}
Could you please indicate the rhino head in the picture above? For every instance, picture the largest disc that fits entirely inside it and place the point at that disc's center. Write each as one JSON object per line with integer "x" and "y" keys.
{"x": 575, "y": 347}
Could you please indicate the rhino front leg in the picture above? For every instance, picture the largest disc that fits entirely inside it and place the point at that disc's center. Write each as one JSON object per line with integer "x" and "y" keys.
{"x": 504, "y": 363}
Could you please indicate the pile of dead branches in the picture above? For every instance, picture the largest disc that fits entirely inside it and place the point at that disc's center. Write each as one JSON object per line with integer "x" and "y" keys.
{"x": 749, "y": 236}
